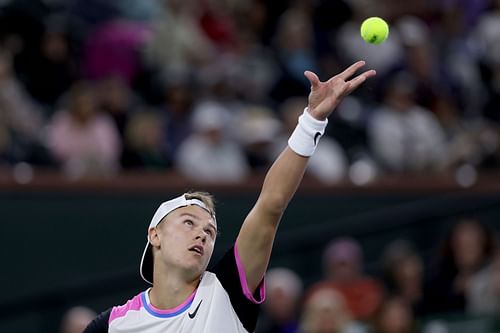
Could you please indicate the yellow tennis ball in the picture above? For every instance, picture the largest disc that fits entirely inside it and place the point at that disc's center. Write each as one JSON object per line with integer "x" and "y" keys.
{"x": 374, "y": 30}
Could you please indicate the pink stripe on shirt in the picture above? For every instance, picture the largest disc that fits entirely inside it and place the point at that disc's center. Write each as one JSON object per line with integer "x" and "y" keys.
{"x": 134, "y": 304}
{"x": 244, "y": 283}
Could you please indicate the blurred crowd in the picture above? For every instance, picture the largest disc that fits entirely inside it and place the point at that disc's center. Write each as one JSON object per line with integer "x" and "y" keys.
{"x": 212, "y": 88}
{"x": 407, "y": 294}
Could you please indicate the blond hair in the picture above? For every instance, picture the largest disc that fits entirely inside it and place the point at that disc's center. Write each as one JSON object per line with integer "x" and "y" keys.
{"x": 204, "y": 197}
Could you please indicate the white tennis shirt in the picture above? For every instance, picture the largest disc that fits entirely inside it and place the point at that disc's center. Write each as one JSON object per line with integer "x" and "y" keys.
{"x": 221, "y": 303}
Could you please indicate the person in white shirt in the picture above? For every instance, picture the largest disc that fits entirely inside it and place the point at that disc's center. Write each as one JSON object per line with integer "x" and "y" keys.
{"x": 404, "y": 135}
{"x": 185, "y": 296}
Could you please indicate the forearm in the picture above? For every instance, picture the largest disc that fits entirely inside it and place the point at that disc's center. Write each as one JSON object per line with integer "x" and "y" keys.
{"x": 286, "y": 173}
{"x": 282, "y": 181}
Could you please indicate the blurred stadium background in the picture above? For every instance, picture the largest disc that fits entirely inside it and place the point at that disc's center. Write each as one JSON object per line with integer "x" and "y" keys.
{"x": 108, "y": 107}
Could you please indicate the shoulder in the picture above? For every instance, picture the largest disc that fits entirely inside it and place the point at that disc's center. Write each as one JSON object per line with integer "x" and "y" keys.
{"x": 121, "y": 311}
{"x": 230, "y": 273}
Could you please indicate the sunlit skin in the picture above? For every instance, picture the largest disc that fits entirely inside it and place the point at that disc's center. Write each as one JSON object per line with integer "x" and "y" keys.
{"x": 176, "y": 260}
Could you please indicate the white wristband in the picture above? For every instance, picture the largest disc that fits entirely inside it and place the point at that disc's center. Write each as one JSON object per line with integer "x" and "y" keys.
{"x": 306, "y": 135}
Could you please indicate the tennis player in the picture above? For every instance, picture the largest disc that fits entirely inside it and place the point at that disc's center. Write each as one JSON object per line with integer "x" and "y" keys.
{"x": 184, "y": 295}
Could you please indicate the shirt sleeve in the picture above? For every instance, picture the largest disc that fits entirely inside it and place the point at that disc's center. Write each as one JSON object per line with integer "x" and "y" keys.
{"x": 229, "y": 271}
{"x": 100, "y": 324}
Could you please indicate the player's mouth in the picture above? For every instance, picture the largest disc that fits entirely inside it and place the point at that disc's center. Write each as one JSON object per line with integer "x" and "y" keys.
{"x": 198, "y": 249}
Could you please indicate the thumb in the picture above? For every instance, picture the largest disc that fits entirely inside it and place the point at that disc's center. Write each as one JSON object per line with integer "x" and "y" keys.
{"x": 313, "y": 79}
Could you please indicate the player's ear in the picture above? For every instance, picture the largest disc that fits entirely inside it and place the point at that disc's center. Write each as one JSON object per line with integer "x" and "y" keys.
{"x": 154, "y": 237}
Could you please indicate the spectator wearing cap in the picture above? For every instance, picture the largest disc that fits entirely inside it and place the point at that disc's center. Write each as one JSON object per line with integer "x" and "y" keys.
{"x": 257, "y": 131}
{"x": 208, "y": 155}
{"x": 342, "y": 264}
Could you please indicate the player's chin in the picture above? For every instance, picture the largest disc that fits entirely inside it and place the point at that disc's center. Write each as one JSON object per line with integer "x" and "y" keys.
{"x": 197, "y": 262}
{"x": 196, "y": 270}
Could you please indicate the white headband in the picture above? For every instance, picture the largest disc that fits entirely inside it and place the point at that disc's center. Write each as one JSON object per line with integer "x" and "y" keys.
{"x": 171, "y": 205}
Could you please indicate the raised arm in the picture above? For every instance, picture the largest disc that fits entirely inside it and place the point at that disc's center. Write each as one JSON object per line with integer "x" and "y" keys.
{"x": 257, "y": 233}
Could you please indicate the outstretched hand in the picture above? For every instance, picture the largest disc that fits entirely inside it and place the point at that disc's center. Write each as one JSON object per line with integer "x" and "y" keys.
{"x": 325, "y": 96}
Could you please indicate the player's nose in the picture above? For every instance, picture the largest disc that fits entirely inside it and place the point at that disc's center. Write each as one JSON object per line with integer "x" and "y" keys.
{"x": 201, "y": 235}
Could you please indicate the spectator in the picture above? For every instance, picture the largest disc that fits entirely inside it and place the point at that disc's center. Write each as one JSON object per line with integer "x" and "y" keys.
{"x": 342, "y": 262}
{"x": 325, "y": 311}
{"x": 53, "y": 67}
{"x": 257, "y": 130}
{"x": 177, "y": 109}
{"x": 394, "y": 316}
{"x": 404, "y": 274}
{"x": 483, "y": 294}
{"x": 178, "y": 45}
{"x": 20, "y": 119}
{"x": 144, "y": 147}
{"x": 208, "y": 155}
{"x": 112, "y": 49}
{"x": 84, "y": 140}
{"x": 283, "y": 294}
{"x": 76, "y": 319}
{"x": 218, "y": 23}
{"x": 294, "y": 47}
{"x": 487, "y": 33}
{"x": 466, "y": 250}
{"x": 117, "y": 100}
{"x": 420, "y": 60}
{"x": 250, "y": 71}
{"x": 405, "y": 136}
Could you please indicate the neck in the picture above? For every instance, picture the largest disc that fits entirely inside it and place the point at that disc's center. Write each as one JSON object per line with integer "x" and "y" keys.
{"x": 171, "y": 290}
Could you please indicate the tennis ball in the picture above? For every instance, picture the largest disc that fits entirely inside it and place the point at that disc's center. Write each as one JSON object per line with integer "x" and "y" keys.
{"x": 374, "y": 30}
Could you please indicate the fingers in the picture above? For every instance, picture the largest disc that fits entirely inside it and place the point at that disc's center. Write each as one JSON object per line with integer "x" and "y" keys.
{"x": 313, "y": 79}
{"x": 349, "y": 71}
{"x": 358, "y": 80}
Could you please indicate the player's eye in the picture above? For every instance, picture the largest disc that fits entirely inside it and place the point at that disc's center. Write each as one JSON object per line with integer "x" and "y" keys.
{"x": 189, "y": 223}
{"x": 210, "y": 233}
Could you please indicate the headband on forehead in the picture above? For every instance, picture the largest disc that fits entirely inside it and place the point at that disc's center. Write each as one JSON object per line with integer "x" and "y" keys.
{"x": 146, "y": 267}
{"x": 168, "y": 206}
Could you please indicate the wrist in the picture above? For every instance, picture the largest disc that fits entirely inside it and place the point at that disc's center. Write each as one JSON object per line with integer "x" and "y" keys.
{"x": 307, "y": 134}
{"x": 311, "y": 112}
{"x": 313, "y": 121}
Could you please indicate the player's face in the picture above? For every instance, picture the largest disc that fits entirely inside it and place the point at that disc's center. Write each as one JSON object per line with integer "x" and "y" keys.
{"x": 187, "y": 237}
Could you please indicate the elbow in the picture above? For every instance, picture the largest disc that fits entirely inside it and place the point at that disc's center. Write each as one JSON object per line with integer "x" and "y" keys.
{"x": 274, "y": 204}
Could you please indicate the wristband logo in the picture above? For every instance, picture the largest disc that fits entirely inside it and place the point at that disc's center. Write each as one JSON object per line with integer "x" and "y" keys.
{"x": 316, "y": 137}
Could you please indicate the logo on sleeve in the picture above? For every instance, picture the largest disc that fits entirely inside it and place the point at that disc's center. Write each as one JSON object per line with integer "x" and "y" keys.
{"x": 193, "y": 314}
{"x": 316, "y": 137}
